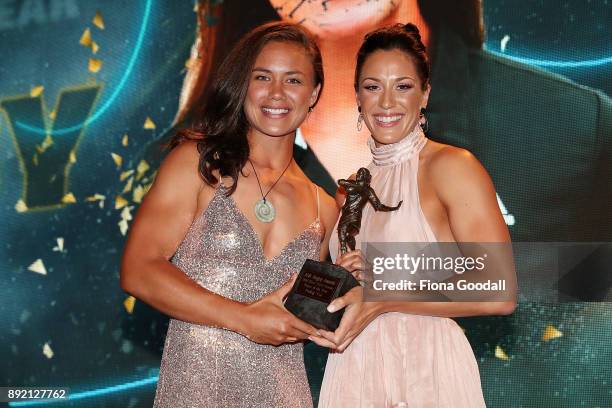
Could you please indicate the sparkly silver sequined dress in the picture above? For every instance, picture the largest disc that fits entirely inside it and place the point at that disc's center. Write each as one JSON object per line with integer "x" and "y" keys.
{"x": 209, "y": 367}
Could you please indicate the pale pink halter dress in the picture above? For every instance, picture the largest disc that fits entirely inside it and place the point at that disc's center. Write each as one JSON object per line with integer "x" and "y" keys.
{"x": 401, "y": 360}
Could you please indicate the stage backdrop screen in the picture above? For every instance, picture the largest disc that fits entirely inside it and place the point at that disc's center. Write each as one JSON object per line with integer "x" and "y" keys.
{"x": 91, "y": 90}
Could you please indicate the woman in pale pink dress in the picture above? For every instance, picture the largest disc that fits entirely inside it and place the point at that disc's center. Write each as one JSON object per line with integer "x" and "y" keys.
{"x": 409, "y": 354}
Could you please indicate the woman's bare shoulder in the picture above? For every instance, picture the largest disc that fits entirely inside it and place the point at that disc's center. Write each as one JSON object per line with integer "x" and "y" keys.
{"x": 441, "y": 155}
{"x": 179, "y": 172}
{"x": 447, "y": 163}
{"x": 183, "y": 157}
{"x": 329, "y": 209}
{"x": 455, "y": 172}
{"x": 328, "y": 203}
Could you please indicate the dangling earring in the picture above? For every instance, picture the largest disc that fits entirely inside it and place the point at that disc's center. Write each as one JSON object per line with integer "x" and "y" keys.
{"x": 423, "y": 120}
{"x": 359, "y": 120}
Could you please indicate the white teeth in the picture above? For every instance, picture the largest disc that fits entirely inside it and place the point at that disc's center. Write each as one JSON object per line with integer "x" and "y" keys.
{"x": 277, "y": 111}
{"x": 387, "y": 119}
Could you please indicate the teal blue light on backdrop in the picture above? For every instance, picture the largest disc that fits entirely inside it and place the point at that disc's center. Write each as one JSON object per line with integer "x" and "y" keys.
{"x": 52, "y": 188}
{"x": 76, "y": 308}
{"x": 116, "y": 92}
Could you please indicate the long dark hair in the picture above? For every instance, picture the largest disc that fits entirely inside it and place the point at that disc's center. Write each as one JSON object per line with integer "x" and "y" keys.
{"x": 403, "y": 37}
{"x": 220, "y": 126}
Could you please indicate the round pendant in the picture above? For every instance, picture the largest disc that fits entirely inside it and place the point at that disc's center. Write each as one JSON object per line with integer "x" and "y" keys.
{"x": 264, "y": 211}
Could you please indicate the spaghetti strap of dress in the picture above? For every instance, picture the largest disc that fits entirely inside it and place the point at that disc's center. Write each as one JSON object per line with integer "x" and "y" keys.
{"x": 318, "y": 203}
{"x": 205, "y": 366}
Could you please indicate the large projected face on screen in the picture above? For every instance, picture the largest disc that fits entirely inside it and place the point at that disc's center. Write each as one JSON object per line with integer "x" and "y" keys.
{"x": 338, "y": 18}
{"x": 340, "y": 26}
{"x": 494, "y": 106}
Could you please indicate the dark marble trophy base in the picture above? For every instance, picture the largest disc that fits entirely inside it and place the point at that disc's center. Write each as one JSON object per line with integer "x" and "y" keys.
{"x": 317, "y": 284}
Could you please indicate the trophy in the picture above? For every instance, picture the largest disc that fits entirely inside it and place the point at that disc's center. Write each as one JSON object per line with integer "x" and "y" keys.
{"x": 319, "y": 283}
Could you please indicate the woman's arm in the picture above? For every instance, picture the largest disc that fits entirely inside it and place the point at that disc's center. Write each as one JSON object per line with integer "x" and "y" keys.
{"x": 466, "y": 191}
{"x": 160, "y": 225}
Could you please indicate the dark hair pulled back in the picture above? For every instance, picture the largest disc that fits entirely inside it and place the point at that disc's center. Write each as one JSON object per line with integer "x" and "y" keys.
{"x": 220, "y": 127}
{"x": 403, "y": 37}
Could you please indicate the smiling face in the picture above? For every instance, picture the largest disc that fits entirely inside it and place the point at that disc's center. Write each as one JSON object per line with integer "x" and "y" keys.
{"x": 281, "y": 89}
{"x": 390, "y": 95}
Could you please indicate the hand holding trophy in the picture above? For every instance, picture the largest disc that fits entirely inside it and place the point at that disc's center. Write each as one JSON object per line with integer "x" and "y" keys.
{"x": 319, "y": 283}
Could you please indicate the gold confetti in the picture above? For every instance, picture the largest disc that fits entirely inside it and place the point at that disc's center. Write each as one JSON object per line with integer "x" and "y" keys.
{"x": 95, "y": 197}
{"x": 47, "y": 142}
{"x": 123, "y": 227}
{"x": 60, "y": 245}
{"x": 551, "y": 332}
{"x": 129, "y": 303}
{"x": 94, "y": 47}
{"x": 35, "y": 159}
{"x": 124, "y": 140}
{"x": 38, "y": 266}
{"x": 86, "y": 38}
{"x": 69, "y": 199}
{"x": 98, "y": 21}
{"x": 142, "y": 168}
{"x": 126, "y": 216}
{"x": 501, "y": 354}
{"x": 36, "y": 91}
{"x": 21, "y": 206}
{"x": 47, "y": 350}
{"x": 138, "y": 194}
{"x": 117, "y": 159}
{"x": 94, "y": 65}
{"x": 120, "y": 202}
{"x": 52, "y": 115}
{"x": 126, "y": 213}
{"x": 128, "y": 185}
{"x": 126, "y": 174}
{"x": 149, "y": 124}
{"x": 72, "y": 157}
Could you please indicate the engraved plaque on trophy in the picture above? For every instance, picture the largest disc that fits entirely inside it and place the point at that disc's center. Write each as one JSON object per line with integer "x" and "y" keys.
{"x": 319, "y": 283}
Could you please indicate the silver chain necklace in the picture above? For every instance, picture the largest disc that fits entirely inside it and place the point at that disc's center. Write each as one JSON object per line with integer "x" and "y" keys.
{"x": 264, "y": 210}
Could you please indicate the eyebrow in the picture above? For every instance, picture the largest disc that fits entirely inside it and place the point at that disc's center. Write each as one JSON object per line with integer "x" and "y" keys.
{"x": 378, "y": 80}
{"x": 269, "y": 72}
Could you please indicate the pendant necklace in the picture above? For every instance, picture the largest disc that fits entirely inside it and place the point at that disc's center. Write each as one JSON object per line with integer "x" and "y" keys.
{"x": 264, "y": 210}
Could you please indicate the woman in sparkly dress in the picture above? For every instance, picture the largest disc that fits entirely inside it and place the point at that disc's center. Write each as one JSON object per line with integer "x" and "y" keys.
{"x": 410, "y": 353}
{"x": 228, "y": 221}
